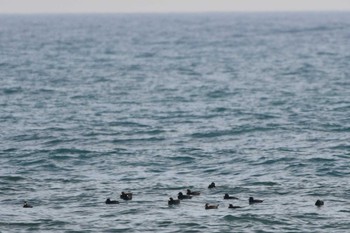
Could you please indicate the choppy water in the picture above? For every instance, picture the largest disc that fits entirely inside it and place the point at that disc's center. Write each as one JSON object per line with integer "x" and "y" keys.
{"x": 92, "y": 105}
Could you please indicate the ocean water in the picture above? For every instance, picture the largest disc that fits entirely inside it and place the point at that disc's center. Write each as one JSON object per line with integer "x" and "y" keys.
{"x": 93, "y": 105}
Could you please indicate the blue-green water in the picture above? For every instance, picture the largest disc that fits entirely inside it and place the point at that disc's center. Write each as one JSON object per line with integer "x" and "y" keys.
{"x": 93, "y": 105}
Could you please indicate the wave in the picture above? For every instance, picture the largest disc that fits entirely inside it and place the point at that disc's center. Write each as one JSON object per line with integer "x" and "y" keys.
{"x": 12, "y": 90}
{"x": 232, "y": 132}
{"x": 12, "y": 178}
{"x": 133, "y": 140}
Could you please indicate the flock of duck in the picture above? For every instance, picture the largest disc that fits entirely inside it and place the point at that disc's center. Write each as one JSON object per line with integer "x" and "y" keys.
{"x": 207, "y": 206}
{"x": 189, "y": 194}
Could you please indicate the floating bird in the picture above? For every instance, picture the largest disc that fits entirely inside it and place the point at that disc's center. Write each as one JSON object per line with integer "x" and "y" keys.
{"x": 173, "y": 202}
{"x": 108, "y": 201}
{"x": 182, "y": 196}
{"x": 233, "y": 206}
{"x": 319, "y": 203}
{"x": 26, "y": 205}
{"x": 126, "y": 196}
{"x": 212, "y": 185}
{"x": 207, "y": 206}
{"x": 193, "y": 193}
{"x": 253, "y": 201}
{"x": 229, "y": 197}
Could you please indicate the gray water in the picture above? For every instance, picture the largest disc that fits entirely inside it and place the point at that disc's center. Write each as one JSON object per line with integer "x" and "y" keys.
{"x": 93, "y": 105}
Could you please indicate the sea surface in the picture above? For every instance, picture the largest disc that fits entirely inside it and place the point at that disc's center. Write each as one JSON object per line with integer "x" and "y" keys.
{"x": 93, "y": 105}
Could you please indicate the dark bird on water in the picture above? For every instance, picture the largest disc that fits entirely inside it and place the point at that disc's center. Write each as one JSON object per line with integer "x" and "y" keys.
{"x": 229, "y": 197}
{"x": 254, "y": 201}
{"x": 182, "y": 196}
{"x": 233, "y": 206}
{"x": 212, "y": 185}
{"x": 319, "y": 203}
{"x": 26, "y": 205}
{"x": 108, "y": 201}
{"x": 208, "y": 207}
{"x": 126, "y": 196}
{"x": 193, "y": 193}
{"x": 173, "y": 202}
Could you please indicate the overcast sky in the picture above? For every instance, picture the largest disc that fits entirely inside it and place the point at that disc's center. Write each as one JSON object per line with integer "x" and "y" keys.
{"x": 108, "y": 6}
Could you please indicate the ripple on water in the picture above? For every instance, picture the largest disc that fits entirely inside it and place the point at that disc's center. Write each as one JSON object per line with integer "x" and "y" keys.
{"x": 113, "y": 105}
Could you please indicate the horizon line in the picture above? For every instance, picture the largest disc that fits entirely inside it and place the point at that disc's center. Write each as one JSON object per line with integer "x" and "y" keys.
{"x": 172, "y": 12}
